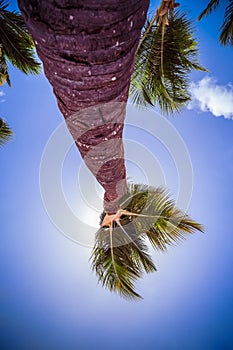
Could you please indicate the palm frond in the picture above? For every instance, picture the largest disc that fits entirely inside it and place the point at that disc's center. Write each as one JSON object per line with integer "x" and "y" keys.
{"x": 226, "y": 35}
{"x": 212, "y": 6}
{"x": 226, "y": 29}
{"x": 165, "y": 57}
{"x": 157, "y": 217}
{"x": 4, "y": 75}
{"x": 119, "y": 258}
{"x": 5, "y": 132}
{"x": 121, "y": 254}
{"x": 16, "y": 43}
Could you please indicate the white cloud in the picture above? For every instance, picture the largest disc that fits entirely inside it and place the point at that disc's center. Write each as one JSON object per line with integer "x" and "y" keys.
{"x": 2, "y": 93}
{"x": 208, "y": 96}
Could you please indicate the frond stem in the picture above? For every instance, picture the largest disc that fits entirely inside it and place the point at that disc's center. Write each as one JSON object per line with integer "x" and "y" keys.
{"x": 112, "y": 253}
{"x": 147, "y": 30}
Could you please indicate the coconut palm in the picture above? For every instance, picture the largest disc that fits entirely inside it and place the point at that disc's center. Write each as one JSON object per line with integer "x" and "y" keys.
{"x": 226, "y": 29}
{"x": 167, "y": 53}
{"x": 120, "y": 255}
{"x": 16, "y": 44}
{"x": 87, "y": 48}
{"x": 5, "y": 132}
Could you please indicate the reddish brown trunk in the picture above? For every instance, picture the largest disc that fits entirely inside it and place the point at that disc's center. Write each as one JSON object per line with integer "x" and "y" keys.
{"x": 87, "y": 48}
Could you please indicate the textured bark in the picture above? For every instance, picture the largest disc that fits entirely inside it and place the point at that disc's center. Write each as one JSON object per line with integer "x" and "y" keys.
{"x": 87, "y": 48}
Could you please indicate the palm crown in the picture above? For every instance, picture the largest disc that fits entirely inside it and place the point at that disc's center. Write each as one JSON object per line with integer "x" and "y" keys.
{"x": 121, "y": 252}
{"x": 166, "y": 54}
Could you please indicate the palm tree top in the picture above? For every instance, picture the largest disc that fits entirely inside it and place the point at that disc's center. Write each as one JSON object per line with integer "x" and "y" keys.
{"x": 121, "y": 252}
{"x": 166, "y": 54}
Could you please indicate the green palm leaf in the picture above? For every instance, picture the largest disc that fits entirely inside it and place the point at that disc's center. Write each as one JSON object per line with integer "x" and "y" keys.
{"x": 121, "y": 253}
{"x": 119, "y": 258}
{"x": 16, "y": 43}
{"x": 212, "y": 6}
{"x": 4, "y": 75}
{"x": 226, "y": 35}
{"x": 226, "y": 29}
{"x": 165, "y": 57}
{"x": 5, "y": 132}
{"x": 157, "y": 216}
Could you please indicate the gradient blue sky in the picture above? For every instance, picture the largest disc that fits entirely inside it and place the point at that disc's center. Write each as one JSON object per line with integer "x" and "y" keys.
{"x": 49, "y": 299}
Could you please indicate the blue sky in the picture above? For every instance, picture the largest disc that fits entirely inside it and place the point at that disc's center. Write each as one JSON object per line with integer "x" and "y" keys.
{"x": 49, "y": 298}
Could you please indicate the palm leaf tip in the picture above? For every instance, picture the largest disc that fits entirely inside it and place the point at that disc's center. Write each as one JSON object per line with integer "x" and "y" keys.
{"x": 212, "y": 6}
{"x": 226, "y": 29}
{"x": 5, "y": 132}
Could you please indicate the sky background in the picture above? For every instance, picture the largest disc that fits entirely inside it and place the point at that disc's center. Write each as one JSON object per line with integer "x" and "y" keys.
{"x": 49, "y": 299}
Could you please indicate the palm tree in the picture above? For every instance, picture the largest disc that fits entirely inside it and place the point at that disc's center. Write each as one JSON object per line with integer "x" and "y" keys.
{"x": 226, "y": 29}
{"x": 88, "y": 50}
{"x": 16, "y": 44}
{"x": 5, "y": 132}
{"x": 120, "y": 255}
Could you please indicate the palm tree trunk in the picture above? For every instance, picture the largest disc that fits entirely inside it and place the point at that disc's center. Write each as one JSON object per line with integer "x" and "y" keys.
{"x": 87, "y": 48}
